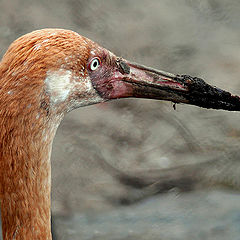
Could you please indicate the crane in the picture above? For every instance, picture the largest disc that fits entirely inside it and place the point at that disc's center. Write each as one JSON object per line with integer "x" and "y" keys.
{"x": 46, "y": 74}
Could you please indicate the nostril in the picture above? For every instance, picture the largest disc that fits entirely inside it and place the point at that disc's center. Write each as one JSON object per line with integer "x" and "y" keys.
{"x": 123, "y": 67}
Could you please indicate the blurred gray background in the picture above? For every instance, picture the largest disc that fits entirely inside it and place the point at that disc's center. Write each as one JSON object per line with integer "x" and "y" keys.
{"x": 195, "y": 37}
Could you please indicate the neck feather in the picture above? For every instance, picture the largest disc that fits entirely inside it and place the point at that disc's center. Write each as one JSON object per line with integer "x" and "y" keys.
{"x": 25, "y": 174}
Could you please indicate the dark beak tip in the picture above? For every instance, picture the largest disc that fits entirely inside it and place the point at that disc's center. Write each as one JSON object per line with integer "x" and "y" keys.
{"x": 204, "y": 95}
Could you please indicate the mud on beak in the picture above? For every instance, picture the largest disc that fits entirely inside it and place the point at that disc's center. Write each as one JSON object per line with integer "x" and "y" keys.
{"x": 134, "y": 80}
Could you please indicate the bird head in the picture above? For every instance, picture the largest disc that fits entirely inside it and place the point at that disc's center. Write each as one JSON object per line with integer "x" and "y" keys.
{"x": 59, "y": 70}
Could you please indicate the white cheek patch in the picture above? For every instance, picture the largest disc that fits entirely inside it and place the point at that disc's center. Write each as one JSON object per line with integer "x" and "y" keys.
{"x": 58, "y": 85}
{"x": 87, "y": 85}
{"x": 75, "y": 91}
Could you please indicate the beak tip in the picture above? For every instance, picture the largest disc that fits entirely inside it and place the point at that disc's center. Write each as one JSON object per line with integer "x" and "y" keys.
{"x": 204, "y": 95}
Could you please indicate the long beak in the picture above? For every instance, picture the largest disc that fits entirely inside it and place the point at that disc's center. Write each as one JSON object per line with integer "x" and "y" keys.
{"x": 144, "y": 82}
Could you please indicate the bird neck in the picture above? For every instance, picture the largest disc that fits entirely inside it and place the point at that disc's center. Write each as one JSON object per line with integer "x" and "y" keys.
{"x": 25, "y": 174}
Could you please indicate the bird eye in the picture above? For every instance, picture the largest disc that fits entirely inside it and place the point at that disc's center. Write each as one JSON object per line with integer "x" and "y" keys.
{"x": 94, "y": 64}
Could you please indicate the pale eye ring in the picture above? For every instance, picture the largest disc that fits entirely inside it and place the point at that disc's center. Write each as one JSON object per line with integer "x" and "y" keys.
{"x": 94, "y": 64}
